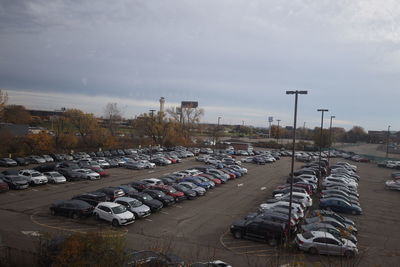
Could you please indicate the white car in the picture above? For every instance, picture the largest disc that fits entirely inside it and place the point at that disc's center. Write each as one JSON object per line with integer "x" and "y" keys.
{"x": 347, "y": 181}
{"x": 103, "y": 163}
{"x": 304, "y": 198}
{"x": 393, "y": 184}
{"x": 247, "y": 160}
{"x": 55, "y": 177}
{"x": 115, "y": 213}
{"x": 147, "y": 164}
{"x": 88, "y": 174}
{"x": 284, "y": 204}
{"x": 33, "y": 177}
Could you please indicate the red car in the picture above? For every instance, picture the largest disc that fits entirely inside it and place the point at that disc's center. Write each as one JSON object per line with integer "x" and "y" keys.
{"x": 211, "y": 178}
{"x": 100, "y": 171}
{"x": 170, "y": 191}
{"x": 231, "y": 175}
{"x": 3, "y": 186}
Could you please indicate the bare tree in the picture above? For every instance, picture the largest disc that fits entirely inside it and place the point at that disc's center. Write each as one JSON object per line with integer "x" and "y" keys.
{"x": 189, "y": 118}
{"x": 113, "y": 114}
{"x": 3, "y": 101}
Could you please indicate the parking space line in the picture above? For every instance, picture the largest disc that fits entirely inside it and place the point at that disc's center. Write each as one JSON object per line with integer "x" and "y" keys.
{"x": 164, "y": 212}
{"x": 150, "y": 171}
{"x": 34, "y": 190}
{"x": 148, "y": 220}
{"x": 177, "y": 206}
{"x": 239, "y": 185}
{"x": 256, "y": 251}
{"x": 251, "y": 246}
{"x": 263, "y": 188}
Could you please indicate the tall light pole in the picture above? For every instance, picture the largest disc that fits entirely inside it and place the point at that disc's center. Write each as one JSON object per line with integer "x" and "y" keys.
{"x": 216, "y": 135}
{"x": 152, "y": 126}
{"x": 387, "y": 142}
{"x": 296, "y": 93}
{"x": 330, "y": 140}
{"x": 320, "y": 144}
{"x": 277, "y": 133}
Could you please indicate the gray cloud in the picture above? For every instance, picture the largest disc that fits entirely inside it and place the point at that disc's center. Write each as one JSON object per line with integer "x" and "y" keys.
{"x": 226, "y": 54}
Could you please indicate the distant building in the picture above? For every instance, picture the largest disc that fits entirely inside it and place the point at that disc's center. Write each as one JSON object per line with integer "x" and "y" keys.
{"x": 46, "y": 113}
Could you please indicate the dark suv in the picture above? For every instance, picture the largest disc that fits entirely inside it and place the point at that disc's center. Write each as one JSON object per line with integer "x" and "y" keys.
{"x": 112, "y": 192}
{"x": 93, "y": 198}
{"x": 257, "y": 228}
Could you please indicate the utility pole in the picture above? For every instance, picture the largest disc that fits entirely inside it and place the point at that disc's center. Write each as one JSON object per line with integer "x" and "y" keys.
{"x": 296, "y": 93}
{"x": 330, "y": 140}
{"x": 216, "y": 136}
{"x": 320, "y": 144}
{"x": 387, "y": 142}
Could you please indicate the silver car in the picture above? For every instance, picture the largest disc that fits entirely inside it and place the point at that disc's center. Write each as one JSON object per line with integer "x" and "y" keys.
{"x": 55, "y": 177}
{"x": 135, "y": 206}
{"x": 200, "y": 191}
{"x": 318, "y": 242}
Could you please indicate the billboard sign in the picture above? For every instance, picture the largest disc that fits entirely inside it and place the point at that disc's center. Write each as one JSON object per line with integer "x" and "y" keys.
{"x": 270, "y": 119}
{"x": 189, "y": 104}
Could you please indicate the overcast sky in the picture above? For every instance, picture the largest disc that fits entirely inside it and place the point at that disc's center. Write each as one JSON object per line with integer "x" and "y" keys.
{"x": 236, "y": 57}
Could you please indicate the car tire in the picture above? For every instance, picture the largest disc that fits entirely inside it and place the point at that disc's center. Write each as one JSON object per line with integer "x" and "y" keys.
{"x": 74, "y": 215}
{"x": 115, "y": 223}
{"x": 313, "y": 251}
{"x": 237, "y": 234}
{"x": 349, "y": 254}
{"x": 328, "y": 208}
{"x": 97, "y": 216}
{"x": 353, "y": 212}
{"x": 53, "y": 212}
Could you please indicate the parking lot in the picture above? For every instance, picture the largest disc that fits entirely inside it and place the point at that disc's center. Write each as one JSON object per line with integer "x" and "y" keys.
{"x": 199, "y": 229}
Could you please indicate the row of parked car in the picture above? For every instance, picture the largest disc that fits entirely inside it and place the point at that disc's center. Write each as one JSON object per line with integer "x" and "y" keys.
{"x": 325, "y": 231}
{"x": 122, "y": 204}
{"x": 270, "y": 222}
{"x": 85, "y": 166}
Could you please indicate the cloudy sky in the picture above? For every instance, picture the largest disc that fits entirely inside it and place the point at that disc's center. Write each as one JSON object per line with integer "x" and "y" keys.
{"x": 236, "y": 57}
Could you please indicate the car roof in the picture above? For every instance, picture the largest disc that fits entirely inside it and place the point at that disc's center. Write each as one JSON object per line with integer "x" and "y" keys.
{"x": 322, "y": 234}
{"x": 109, "y": 204}
{"x": 127, "y": 199}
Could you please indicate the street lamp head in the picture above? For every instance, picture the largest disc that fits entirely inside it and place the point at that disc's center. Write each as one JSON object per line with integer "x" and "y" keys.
{"x": 323, "y": 110}
{"x": 332, "y": 117}
{"x": 296, "y": 92}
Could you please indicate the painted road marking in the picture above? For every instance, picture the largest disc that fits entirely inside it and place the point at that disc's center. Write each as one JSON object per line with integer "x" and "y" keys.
{"x": 263, "y": 188}
{"x": 252, "y": 246}
{"x": 150, "y": 171}
{"x": 148, "y": 220}
{"x": 239, "y": 185}
{"x": 178, "y": 206}
{"x": 35, "y": 190}
{"x": 164, "y": 212}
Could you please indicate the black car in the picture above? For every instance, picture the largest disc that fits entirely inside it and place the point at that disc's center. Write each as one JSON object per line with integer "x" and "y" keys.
{"x": 21, "y": 161}
{"x": 112, "y": 192}
{"x": 189, "y": 193}
{"x": 92, "y": 198}
{"x": 271, "y": 232}
{"x": 157, "y": 194}
{"x": 45, "y": 167}
{"x": 70, "y": 174}
{"x": 127, "y": 189}
{"x": 139, "y": 185}
{"x": 15, "y": 181}
{"x": 146, "y": 199}
{"x": 71, "y": 208}
{"x": 99, "y": 154}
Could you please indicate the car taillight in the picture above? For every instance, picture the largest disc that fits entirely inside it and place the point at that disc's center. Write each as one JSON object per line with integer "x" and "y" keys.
{"x": 299, "y": 241}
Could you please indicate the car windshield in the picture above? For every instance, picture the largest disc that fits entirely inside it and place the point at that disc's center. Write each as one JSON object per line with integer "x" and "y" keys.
{"x": 147, "y": 197}
{"x": 56, "y": 174}
{"x": 35, "y": 174}
{"x": 307, "y": 235}
{"x": 135, "y": 203}
{"x": 118, "y": 209}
